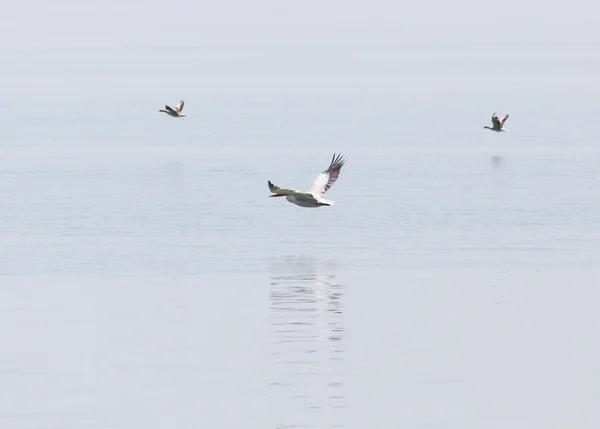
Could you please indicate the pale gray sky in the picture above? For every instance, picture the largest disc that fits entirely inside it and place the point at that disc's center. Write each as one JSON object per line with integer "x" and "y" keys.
{"x": 197, "y": 22}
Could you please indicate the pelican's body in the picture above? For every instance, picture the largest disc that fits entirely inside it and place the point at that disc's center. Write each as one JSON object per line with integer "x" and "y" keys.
{"x": 176, "y": 112}
{"x": 315, "y": 196}
{"x": 306, "y": 200}
{"x": 497, "y": 124}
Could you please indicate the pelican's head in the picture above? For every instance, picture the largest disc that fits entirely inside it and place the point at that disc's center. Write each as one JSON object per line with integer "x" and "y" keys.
{"x": 182, "y": 115}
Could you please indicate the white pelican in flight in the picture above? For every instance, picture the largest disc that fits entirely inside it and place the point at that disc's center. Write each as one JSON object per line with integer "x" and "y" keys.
{"x": 497, "y": 123}
{"x": 315, "y": 196}
{"x": 176, "y": 113}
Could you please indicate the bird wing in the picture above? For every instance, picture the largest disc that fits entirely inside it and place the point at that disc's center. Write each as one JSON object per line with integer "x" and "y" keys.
{"x": 326, "y": 179}
{"x": 179, "y": 106}
{"x": 496, "y": 122}
{"x": 277, "y": 190}
{"x": 503, "y": 120}
{"x": 169, "y": 109}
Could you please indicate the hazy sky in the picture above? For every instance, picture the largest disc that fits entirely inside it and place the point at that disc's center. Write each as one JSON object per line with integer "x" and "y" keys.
{"x": 197, "y": 22}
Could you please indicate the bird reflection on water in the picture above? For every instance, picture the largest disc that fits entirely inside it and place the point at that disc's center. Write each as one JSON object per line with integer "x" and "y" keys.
{"x": 307, "y": 344}
{"x": 496, "y": 160}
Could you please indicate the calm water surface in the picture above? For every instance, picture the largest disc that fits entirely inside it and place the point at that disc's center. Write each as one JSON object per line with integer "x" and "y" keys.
{"x": 148, "y": 282}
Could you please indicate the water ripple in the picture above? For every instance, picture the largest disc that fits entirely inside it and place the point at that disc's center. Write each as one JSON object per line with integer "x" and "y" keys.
{"x": 307, "y": 343}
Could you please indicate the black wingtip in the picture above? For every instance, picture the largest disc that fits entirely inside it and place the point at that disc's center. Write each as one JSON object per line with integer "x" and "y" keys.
{"x": 337, "y": 160}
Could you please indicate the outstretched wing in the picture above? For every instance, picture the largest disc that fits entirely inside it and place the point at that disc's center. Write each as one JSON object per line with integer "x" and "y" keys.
{"x": 326, "y": 179}
{"x": 496, "y": 122}
{"x": 277, "y": 190}
{"x": 179, "y": 106}
{"x": 503, "y": 120}
{"x": 169, "y": 109}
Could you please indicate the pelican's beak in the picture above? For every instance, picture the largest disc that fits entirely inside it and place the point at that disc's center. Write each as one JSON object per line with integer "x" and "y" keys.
{"x": 277, "y": 195}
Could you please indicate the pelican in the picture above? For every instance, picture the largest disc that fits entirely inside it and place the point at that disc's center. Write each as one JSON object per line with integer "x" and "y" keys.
{"x": 497, "y": 123}
{"x": 315, "y": 196}
{"x": 176, "y": 113}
